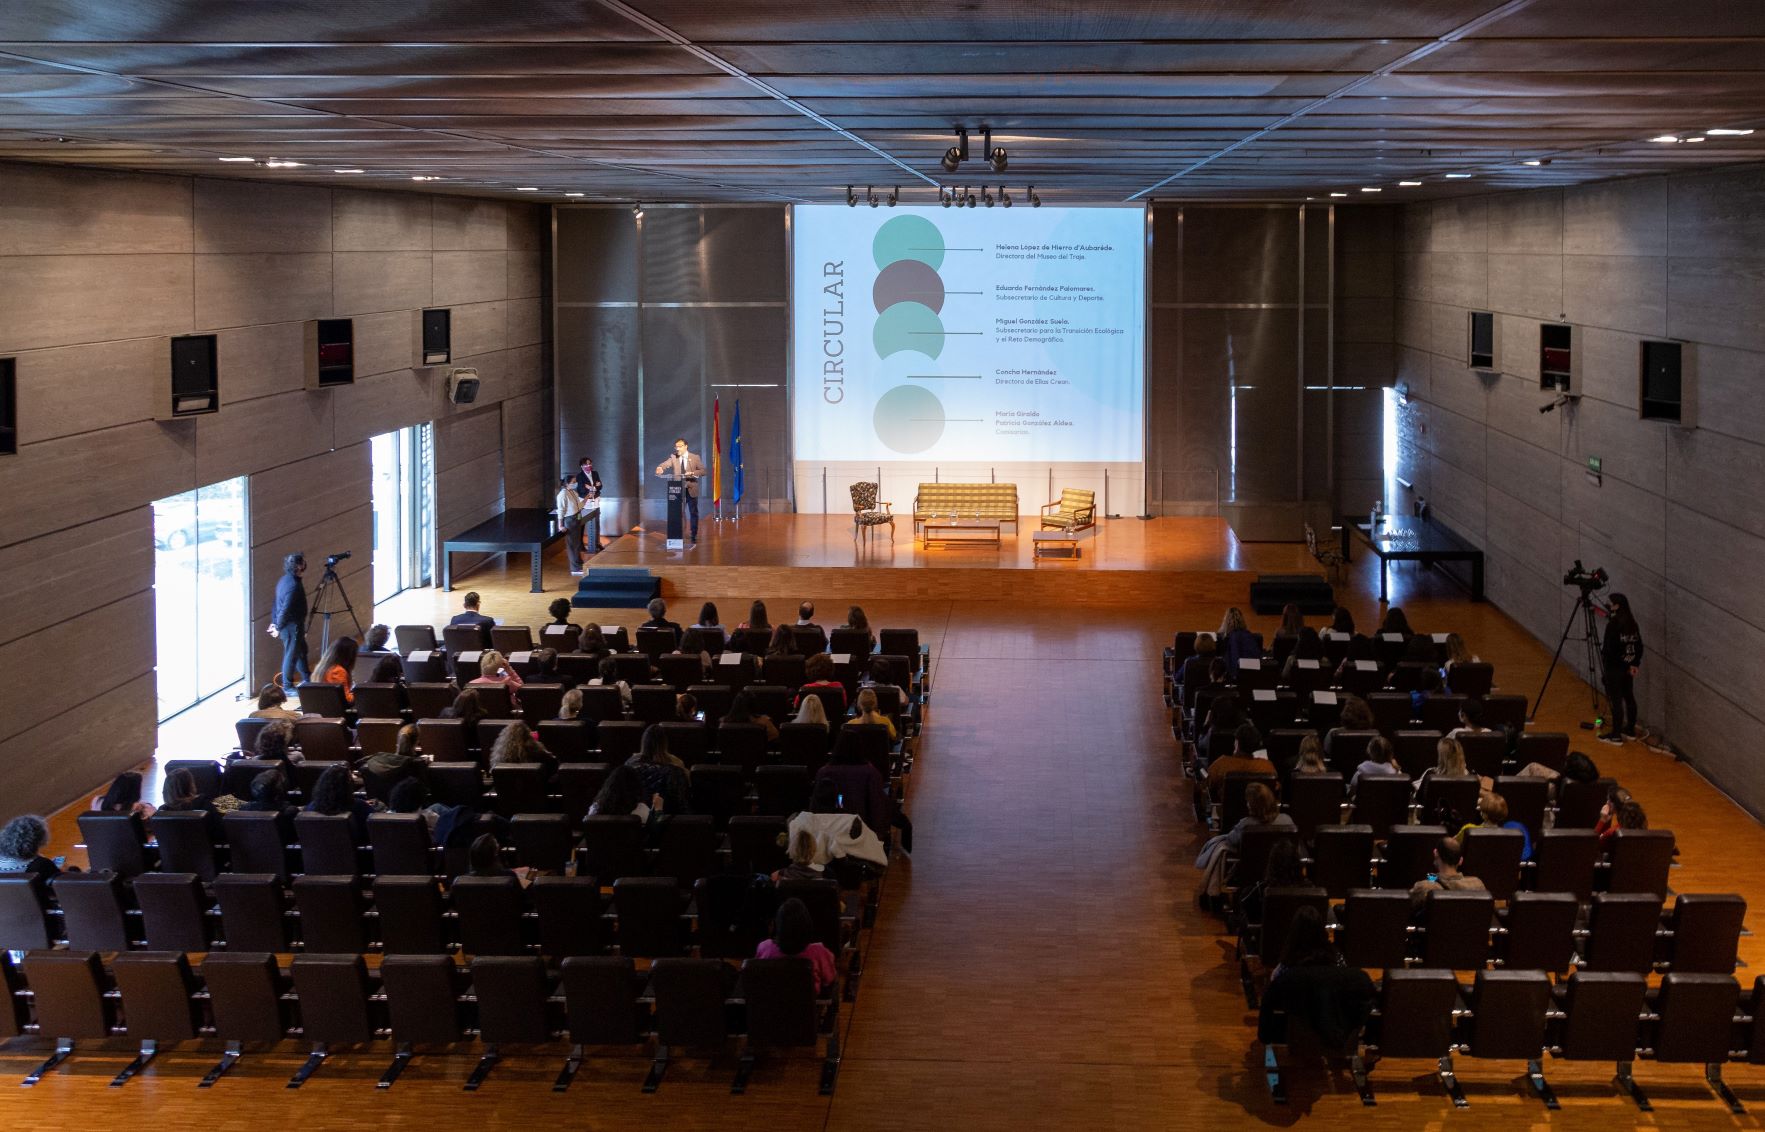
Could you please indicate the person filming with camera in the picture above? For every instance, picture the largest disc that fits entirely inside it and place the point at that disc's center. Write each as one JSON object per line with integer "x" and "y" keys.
{"x": 1621, "y": 656}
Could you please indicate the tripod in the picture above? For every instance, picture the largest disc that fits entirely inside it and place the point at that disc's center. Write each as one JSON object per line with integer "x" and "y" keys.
{"x": 328, "y": 599}
{"x": 1585, "y": 612}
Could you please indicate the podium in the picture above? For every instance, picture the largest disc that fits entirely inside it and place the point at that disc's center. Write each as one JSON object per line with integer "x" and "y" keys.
{"x": 676, "y": 492}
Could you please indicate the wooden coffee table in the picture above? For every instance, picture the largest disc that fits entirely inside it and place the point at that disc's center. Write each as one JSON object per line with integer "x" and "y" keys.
{"x": 1054, "y": 544}
{"x": 962, "y": 532}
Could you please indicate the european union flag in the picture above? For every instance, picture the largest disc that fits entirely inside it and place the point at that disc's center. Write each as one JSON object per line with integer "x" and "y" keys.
{"x": 735, "y": 450}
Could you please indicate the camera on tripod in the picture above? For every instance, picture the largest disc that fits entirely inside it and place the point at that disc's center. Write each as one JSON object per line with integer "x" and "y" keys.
{"x": 1586, "y": 580}
{"x": 333, "y": 559}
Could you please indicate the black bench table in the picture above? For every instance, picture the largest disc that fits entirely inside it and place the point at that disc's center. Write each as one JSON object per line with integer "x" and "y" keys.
{"x": 524, "y": 530}
{"x": 1404, "y": 539}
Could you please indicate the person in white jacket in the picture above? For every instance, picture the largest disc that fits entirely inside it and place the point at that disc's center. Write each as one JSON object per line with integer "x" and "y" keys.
{"x": 570, "y": 519}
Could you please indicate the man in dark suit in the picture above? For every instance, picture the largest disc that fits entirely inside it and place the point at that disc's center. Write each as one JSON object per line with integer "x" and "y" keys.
{"x": 687, "y": 466}
{"x": 588, "y": 481}
{"x": 288, "y": 620}
{"x": 471, "y": 616}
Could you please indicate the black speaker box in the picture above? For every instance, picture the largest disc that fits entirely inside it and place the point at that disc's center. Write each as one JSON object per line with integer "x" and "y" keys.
{"x": 194, "y": 388}
{"x": 436, "y": 334}
{"x": 8, "y": 407}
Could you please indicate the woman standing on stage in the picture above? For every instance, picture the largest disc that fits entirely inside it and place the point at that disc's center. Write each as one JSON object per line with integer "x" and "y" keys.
{"x": 1621, "y": 655}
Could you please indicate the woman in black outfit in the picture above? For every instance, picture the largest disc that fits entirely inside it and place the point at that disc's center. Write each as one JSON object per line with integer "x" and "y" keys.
{"x": 1621, "y": 655}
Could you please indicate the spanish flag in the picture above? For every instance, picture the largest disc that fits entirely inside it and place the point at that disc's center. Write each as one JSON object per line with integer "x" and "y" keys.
{"x": 716, "y": 453}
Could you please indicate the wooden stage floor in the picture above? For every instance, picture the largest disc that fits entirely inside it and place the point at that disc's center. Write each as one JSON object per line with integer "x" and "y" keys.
{"x": 1120, "y": 560}
{"x": 1040, "y": 961}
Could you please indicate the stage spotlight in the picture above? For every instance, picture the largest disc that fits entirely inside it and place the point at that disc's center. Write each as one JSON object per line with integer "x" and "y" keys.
{"x": 1004, "y": 197}
{"x": 851, "y": 198}
{"x": 894, "y": 195}
{"x": 998, "y": 159}
{"x": 1030, "y": 195}
{"x": 946, "y": 197}
{"x": 870, "y": 196}
{"x": 637, "y": 210}
{"x": 986, "y": 196}
{"x": 952, "y": 159}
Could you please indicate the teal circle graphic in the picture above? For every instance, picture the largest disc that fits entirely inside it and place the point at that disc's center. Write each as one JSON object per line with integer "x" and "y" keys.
{"x": 909, "y": 418}
{"x": 908, "y": 326}
{"x": 908, "y": 237}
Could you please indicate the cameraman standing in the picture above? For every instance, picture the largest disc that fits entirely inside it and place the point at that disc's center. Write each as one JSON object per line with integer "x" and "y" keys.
{"x": 1620, "y": 655}
{"x": 288, "y": 621}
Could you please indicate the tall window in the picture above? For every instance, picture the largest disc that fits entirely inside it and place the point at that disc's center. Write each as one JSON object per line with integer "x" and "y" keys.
{"x": 404, "y": 510}
{"x": 199, "y": 593}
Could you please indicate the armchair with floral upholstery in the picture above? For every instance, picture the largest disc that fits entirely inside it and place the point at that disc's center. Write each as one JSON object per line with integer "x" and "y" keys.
{"x": 867, "y": 512}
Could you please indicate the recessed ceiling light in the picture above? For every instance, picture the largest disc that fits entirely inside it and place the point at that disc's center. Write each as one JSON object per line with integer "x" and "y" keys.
{"x": 527, "y": 189}
{"x": 1338, "y": 194}
{"x": 283, "y": 164}
{"x": 1665, "y": 138}
{"x": 1371, "y": 190}
{"x": 1458, "y": 176}
{"x": 238, "y": 159}
{"x": 572, "y": 194}
{"x": 348, "y": 170}
{"x": 1724, "y": 133}
{"x": 1534, "y": 161}
{"x": 1408, "y": 184}
{"x": 414, "y": 178}
{"x": 1694, "y": 140}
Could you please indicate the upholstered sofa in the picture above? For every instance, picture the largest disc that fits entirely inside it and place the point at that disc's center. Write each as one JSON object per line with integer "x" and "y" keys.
{"x": 968, "y": 500}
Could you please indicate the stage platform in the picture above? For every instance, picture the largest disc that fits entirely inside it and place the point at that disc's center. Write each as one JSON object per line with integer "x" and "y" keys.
{"x": 1121, "y": 560}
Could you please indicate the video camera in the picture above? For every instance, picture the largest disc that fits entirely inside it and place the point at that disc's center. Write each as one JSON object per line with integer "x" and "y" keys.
{"x": 1588, "y": 581}
{"x": 332, "y": 560}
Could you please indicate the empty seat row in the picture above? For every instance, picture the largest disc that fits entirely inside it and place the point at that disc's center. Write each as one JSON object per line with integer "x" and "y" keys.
{"x": 327, "y": 1001}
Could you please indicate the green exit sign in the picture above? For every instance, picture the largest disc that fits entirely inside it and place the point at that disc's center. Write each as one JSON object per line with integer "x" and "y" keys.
{"x": 1593, "y": 464}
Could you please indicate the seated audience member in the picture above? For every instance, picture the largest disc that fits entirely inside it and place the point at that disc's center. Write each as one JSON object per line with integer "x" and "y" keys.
{"x": 609, "y": 678}
{"x": 802, "y": 859}
{"x": 469, "y": 709}
{"x": 1259, "y": 800}
{"x": 809, "y": 710}
{"x": 806, "y": 622}
{"x": 661, "y": 772}
{"x": 1621, "y": 811}
{"x": 269, "y": 795}
{"x": 623, "y": 793}
{"x": 658, "y": 610}
{"x": 1246, "y": 757}
{"x": 334, "y": 793}
{"x": 707, "y": 616}
{"x": 593, "y": 642}
{"x": 1492, "y": 813}
{"x": 516, "y": 746}
{"x": 570, "y": 706}
{"x": 180, "y": 794}
{"x": 275, "y": 743}
{"x": 1457, "y": 652}
{"x": 494, "y": 668}
{"x": 1239, "y": 642}
{"x": 1356, "y": 715}
{"x": 1381, "y": 760}
{"x": 859, "y": 787}
{"x": 1396, "y": 622}
{"x": 471, "y": 616}
{"x": 382, "y": 771}
{"x": 1470, "y": 720}
{"x": 337, "y": 666}
{"x": 741, "y": 710}
{"x": 376, "y": 639}
{"x": 1292, "y": 622}
{"x": 1342, "y": 623}
{"x": 1306, "y": 646}
{"x": 387, "y": 670}
{"x": 1218, "y": 730}
{"x": 1359, "y": 649}
{"x": 21, "y": 843}
{"x": 819, "y": 682}
{"x": 793, "y": 936}
{"x": 272, "y": 703}
{"x": 855, "y": 619}
{"x": 1449, "y": 760}
{"x": 1311, "y": 756}
{"x": 691, "y": 643}
{"x": 409, "y": 797}
{"x": 1576, "y": 768}
{"x": 866, "y": 710}
{"x": 1446, "y": 877}
{"x": 559, "y": 610}
{"x": 123, "y": 795}
{"x": 1195, "y": 674}
{"x": 1285, "y": 869}
{"x": 783, "y": 642}
{"x": 1313, "y": 985}
{"x": 757, "y": 622}
{"x": 686, "y": 708}
{"x": 485, "y": 858}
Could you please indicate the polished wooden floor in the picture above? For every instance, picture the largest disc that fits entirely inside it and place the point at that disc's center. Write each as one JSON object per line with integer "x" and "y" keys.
{"x": 1040, "y": 962}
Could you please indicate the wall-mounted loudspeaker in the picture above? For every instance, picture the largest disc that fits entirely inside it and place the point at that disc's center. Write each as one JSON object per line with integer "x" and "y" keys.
{"x": 194, "y": 387}
{"x": 434, "y": 337}
{"x": 330, "y": 352}
{"x": 8, "y": 407}
{"x": 462, "y": 386}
